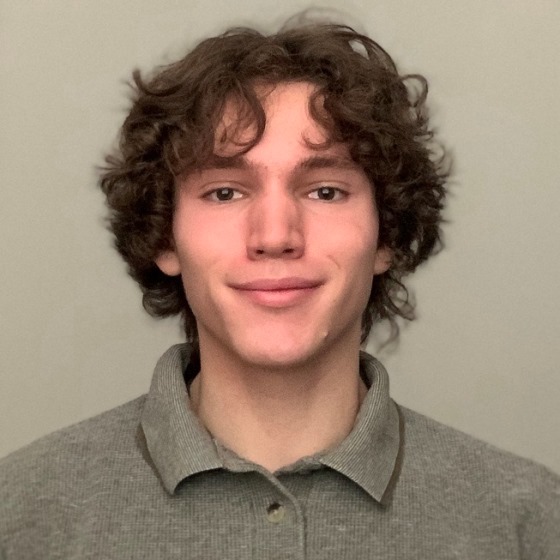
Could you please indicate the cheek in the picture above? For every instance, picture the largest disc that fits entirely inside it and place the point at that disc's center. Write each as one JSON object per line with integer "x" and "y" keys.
{"x": 200, "y": 229}
{"x": 205, "y": 250}
{"x": 192, "y": 235}
{"x": 352, "y": 244}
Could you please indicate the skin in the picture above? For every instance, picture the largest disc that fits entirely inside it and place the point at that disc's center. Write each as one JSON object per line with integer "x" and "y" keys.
{"x": 279, "y": 375}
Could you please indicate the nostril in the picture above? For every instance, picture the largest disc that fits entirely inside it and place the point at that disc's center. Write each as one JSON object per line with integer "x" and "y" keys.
{"x": 285, "y": 251}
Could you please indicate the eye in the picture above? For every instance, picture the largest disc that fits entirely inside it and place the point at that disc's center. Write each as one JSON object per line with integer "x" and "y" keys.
{"x": 223, "y": 194}
{"x": 327, "y": 194}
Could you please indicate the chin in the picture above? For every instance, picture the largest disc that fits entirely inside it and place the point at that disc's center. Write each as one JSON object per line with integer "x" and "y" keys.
{"x": 290, "y": 351}
{"x": 280, "y": 357}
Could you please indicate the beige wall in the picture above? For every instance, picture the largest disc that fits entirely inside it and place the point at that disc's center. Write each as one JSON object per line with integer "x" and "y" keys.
{"x": 483, "y": 355}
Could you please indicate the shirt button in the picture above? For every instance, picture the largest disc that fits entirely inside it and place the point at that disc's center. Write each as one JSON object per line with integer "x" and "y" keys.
{"x": 275, "y": 512}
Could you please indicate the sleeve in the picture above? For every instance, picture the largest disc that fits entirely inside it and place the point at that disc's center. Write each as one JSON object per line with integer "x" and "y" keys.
{"x": 539, "y": 529}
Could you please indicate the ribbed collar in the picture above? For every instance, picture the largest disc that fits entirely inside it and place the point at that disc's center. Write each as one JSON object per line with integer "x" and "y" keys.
{"x": 180, "y": 446}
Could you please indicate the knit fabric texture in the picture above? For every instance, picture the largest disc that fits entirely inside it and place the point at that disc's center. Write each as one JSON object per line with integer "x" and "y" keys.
{"x": 147, "y": 481}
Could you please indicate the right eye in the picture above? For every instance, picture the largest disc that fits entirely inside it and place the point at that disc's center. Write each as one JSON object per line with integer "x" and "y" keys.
{"x": 223, "y": 194}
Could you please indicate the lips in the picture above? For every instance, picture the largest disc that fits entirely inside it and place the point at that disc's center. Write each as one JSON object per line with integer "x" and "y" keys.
{"x": 270, "y": 284}
{"x": 278, "y": 293}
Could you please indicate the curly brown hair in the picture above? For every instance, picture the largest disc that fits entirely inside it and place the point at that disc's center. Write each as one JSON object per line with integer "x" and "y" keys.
{"x": 380, "y": 114}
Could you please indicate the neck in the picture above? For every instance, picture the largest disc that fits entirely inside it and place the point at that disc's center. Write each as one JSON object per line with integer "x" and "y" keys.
{"x": 275, "y": 417}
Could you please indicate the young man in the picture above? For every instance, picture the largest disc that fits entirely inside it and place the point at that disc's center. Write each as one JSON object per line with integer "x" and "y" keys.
{"x": 275, "y": 191}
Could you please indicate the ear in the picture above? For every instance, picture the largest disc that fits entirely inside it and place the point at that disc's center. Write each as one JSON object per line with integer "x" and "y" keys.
{"x": 168, "y": 263}
{"x": 383, "y": 259}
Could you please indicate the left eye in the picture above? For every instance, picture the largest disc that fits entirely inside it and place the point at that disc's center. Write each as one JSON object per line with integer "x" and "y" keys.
{"x": 224, "y": 194}
{"x": 326, "y": 193}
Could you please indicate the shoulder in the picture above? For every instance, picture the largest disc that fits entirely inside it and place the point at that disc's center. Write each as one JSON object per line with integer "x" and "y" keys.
{"x": 450, "y": 465}
{"x": 448, "y": 449}
{"x": 110, "y": 429}
{"x": 62, "y": 464}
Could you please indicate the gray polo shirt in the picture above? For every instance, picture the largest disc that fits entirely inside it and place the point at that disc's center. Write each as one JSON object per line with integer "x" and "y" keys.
{"x": 147, "y": 481}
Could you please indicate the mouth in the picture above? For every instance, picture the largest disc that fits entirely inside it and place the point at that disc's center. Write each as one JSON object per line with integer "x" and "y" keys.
{"x": 278, "y": 284}
{"x": 278, "y": 293}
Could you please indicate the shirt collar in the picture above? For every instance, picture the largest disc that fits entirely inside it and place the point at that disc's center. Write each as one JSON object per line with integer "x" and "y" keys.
{"x": 180, "y": 446}
{"x": 178, "y": 443}
{"x": 369, "y": 454}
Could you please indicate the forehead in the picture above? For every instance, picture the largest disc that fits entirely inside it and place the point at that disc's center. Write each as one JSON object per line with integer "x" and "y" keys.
{"x": 286, "y": 108}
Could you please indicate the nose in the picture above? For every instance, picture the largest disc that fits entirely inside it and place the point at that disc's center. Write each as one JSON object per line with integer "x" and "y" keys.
{"x": 275, "y": 227}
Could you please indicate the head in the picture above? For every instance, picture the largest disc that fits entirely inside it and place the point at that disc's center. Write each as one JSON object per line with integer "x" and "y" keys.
{"x": 358, "y": 99}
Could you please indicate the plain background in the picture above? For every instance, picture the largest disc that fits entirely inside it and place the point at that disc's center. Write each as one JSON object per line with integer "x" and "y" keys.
{"x": 483, "y": 354}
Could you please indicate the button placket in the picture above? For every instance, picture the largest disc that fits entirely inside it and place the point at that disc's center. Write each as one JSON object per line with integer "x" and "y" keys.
{"x": 275, "y": 512}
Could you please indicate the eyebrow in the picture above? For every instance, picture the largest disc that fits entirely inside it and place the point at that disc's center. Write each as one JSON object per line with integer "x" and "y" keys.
{"x": 308, "y": 164}
{"x": 326, "y": 162}
{"x": 222, "y": 162}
